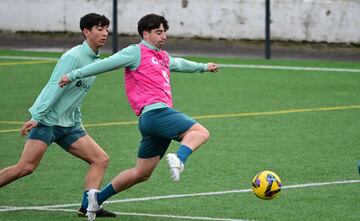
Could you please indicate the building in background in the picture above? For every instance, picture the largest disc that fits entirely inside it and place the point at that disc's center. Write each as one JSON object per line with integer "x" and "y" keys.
{"x": 329, "y": 21}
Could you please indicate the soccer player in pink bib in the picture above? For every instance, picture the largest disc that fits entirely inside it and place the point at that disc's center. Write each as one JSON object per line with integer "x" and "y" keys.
{"x": 148, "y": 89}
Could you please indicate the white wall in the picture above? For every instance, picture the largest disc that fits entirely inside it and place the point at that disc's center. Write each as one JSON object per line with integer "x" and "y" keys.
{"x": 297, "y": 20}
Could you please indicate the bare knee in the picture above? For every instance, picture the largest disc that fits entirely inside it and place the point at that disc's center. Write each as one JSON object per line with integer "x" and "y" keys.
{"x": 103, "y": 160}
{"x": 145, "y": 176}
{"x": 25, "y": 169}
{"x": 100, "y": 160}
{"x": 142, "y": 176}
{"x": 199, "y": 132}
{"x": 204, "y": 134}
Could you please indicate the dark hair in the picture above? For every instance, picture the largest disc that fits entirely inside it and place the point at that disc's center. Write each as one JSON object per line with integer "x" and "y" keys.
{"x": 150, "y": 22}
{"x": 92, "y": 19}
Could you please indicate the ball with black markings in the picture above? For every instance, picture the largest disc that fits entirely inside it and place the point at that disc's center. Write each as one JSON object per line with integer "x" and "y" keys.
{"x": 266, "y": 185}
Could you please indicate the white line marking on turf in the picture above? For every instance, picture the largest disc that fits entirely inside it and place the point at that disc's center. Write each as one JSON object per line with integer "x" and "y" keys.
{"x": 59, "y": 207}
{"x": 131, "y": 214}
{"x": 273, "y": 67}
{"x": 161, "y": 215}
{"x": 290, "y": 68}
{"x": 28, "y": 58}
{"x": 180, "y": 217}
{"x": 179, "y": 196}
{"x": 320, "y": 184}
{"x": 229, "y": 191}
{"x": 306, "y": 185}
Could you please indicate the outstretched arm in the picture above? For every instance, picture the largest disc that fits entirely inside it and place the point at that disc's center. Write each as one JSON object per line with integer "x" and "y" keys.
{"x": 127, "y": 57}
{"x": 183, "y": 65}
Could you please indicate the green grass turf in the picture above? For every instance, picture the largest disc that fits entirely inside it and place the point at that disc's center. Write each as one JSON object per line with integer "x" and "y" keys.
{"x": 302, "y": 147}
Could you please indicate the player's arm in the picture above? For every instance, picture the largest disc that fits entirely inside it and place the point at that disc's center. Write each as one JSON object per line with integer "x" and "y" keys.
{"x": 183, "y": 65}
{"x": 128, "y": 57}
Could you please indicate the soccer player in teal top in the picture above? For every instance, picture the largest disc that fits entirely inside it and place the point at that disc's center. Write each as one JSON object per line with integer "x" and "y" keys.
{"x": 56, "y": 117}
{"x": 148, "y": 88}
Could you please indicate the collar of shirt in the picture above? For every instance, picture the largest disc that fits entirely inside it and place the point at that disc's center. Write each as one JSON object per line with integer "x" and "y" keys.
{"x": 89, "y": 51}
{"x": 149, "y": 45}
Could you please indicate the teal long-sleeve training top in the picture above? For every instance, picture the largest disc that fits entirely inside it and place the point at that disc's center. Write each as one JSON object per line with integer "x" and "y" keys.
{"x": 61, "y": 106}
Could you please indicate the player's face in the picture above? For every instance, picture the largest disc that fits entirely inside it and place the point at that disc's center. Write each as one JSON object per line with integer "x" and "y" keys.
{"x": 97, "y": 36}
{"x": 156, "y": 37}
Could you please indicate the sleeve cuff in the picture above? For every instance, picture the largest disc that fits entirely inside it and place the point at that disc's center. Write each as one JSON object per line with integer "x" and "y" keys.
{"x": 205, "y": 67}
{"x": 32, "y": 119}
{"x": 71, "y": 76}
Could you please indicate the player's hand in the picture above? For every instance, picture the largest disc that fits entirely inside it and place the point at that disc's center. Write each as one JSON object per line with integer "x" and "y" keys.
{"x": 212, "y": 67}
{"x": 64, "y": 81}
{"x": 28, "y": 125}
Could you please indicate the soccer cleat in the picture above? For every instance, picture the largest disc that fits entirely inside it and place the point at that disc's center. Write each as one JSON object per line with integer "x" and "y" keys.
{"x": 359, "y": 166}
{"x": 101, "y": 213}
{"x": 175, "y": 165}
{"x": 93, "y": 206}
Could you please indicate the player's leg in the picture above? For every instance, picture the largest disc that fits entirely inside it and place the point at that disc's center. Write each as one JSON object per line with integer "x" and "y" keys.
{"x": 180, "y": 127}
{"x": 127, "y": 178}
{"x": 78, "y": 143}
{"x": 30, "y": 158}
{"x": 124, "y": 180}
{"x": 39, "y": 139}
{"x": 140, "y": 173}
{"x": 88, "y": 150}
{"x": 191, "y": 140}
{"x": 151, "y": 150}
{"x": 194, "y": 137}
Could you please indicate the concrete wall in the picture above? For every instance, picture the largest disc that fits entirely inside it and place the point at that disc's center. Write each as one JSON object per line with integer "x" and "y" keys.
{"x": 333, "y": 21}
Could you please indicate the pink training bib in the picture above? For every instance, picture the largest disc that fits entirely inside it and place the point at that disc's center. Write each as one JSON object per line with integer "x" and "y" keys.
{"x": 150, "y": 82}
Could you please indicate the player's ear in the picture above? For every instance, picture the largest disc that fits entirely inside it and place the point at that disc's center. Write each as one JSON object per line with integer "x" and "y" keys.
{"x": 145, "y": 35}
{"x": 86, "y": 32}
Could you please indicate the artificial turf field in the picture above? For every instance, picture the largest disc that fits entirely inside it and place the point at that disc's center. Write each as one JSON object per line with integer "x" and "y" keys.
{"x": 298, "y": 118}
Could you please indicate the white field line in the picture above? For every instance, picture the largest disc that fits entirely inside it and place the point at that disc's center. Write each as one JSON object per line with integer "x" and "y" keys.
{"x": 59, "y": 209}
{"x": 144, "y": 214}
{"x": 307, "y": 185}
{"x": 273, "y": 67}
{"x": 29, "y": 58}
{"x": 136, "y": 214}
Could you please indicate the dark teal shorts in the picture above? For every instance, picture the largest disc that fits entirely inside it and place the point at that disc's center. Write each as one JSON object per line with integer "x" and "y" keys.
{"x": 63, "y": 136}
{"x": 158, "y": 127}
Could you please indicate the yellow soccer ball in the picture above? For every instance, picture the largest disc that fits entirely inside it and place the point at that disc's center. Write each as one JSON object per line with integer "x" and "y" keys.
{"x": 266, "y": 185}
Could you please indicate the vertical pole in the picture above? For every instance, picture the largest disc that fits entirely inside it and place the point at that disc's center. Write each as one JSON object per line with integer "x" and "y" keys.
{"x": 114, "y": 32}
{"x": 267, "y": 30}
